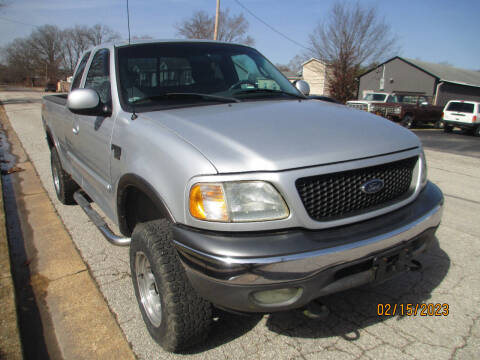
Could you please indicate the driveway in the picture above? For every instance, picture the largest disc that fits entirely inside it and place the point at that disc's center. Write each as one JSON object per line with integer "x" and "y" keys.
{"x": 353, "y": 330}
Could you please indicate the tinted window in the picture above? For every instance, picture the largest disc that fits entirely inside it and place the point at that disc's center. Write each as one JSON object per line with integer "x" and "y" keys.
{"x": 375, "y": 97}
{"x": 98, "y": 77}
{"x": 460, "y": 107}
{"x": 150, "y": 73}
{"x": 392, "y": 99}
{"x": 79, "y": 73}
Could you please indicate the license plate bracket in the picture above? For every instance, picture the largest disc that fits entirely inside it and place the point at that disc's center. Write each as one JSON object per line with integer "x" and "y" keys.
{"x": 388, "y": 264}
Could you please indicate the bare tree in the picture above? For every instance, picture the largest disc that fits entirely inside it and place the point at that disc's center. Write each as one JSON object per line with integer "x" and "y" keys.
{"x": 19, "y": 57}
{"x": 201, "y": 25}
{"x": 47, "y": 46}
{"x": 353, "y": 35}
{"x": 295, "y": 64}
{"x": 98, "y": 34}
{"x": 79, "y": 38}
{"x": 75, "y": 42}
{"x": 50, "y": 53}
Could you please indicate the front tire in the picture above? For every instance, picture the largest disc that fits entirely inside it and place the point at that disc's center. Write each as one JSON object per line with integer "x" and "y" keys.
{"x": 63, "y": 183}
{"x": 175, "y": 316}
{"x": 439, "y": 124}
{"x": 408, "y": 122}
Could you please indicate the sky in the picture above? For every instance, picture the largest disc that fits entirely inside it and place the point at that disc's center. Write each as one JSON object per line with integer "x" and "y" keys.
{"x": 436, "y": 31}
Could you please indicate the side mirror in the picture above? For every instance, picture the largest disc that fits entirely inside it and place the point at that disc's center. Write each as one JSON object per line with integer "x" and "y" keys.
{"x": 86, "y": 102}
{"x": 303, "y": 87}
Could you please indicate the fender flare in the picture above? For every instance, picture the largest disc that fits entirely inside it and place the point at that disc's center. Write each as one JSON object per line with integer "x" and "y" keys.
{"x": 132, "y": 180}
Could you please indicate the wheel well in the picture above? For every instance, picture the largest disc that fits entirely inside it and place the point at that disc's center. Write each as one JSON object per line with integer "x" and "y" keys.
{"x": 137, "y": 202}
{"x": 50, "y": 141}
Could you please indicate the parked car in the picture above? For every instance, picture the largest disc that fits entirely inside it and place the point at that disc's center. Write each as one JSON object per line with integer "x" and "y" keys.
{"x": 50, "y": 87}
{"x": 462, "y": 114}
{"x": 409, "y": 110}
{"x": 231, "y": 188}
{"x": 368, "y": 100}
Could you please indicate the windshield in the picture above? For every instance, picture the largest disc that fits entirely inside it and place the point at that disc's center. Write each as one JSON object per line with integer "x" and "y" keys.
{"x": 375, "y": 97}
{"x": 159, "y": 74}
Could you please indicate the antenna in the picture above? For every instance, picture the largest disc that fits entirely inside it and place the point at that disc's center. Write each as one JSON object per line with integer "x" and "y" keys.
{"x": 128, "y": 21}
{"x": 134, "y": 115}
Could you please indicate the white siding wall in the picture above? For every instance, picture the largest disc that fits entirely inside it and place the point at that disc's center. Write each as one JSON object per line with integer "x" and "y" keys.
{"x": 314, "y": 74}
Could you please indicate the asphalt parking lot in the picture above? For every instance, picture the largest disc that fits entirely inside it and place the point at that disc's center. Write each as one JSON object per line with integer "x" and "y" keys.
{"x": 353, "y": 330}
{"x": 456, "y": 142}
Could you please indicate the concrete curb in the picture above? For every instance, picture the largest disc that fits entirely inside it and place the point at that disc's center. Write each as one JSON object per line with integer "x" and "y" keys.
{"x": 10, "y": 345}
{"x": 76, "y": 321}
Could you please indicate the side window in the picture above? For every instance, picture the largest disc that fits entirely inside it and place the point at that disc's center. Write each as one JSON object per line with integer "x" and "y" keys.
{"x": 98, "y": 77}
{"x": 78, "y": 75}
{"x": 392, "y": 99}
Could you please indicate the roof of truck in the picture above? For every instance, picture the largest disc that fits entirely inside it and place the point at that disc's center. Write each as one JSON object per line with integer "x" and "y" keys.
{"x": 122, "y": 43}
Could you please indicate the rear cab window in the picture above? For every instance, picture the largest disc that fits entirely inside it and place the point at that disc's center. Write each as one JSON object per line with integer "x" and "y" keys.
{"x": 462, "y": 107}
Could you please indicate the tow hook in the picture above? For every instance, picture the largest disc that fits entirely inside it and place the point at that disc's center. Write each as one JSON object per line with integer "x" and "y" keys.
{"x": 316, "y": 310}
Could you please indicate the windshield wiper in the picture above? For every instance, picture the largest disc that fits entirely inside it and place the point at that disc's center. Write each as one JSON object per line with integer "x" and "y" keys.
{"x": 246, "y": 91}
{"x": 187, "y": 95}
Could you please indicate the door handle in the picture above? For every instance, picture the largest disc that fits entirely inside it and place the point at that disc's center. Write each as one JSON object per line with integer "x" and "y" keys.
{"x": 75, "y": 129}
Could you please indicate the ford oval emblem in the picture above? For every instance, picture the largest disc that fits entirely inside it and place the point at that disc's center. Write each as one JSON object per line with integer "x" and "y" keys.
{"x": 372, "y": 186}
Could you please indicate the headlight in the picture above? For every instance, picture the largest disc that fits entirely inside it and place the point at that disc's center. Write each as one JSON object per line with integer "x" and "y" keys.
{"x": 237, "y": 202}
{"x": 373, "y": 108}
{"x": 397, "y": 110}
{"x": 423, "y": 169}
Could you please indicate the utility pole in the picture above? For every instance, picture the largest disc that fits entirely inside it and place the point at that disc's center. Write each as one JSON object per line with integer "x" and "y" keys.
{"x": 217, "y": 15}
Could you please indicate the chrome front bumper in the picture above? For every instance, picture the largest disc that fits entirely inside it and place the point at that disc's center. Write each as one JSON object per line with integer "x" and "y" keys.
{"x": 241, "y": 263}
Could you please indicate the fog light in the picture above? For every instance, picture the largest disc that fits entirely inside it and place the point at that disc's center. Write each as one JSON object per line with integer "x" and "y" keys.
{"x": 277, "y": 296}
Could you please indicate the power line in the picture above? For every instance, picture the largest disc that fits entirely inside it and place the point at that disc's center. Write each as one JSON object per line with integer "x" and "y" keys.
{"x": 16, "y": 21}
{"x": 271, "y": 27}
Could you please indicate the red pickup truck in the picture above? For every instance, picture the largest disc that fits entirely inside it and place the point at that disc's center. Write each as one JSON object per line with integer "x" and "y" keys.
{"x": 409, "y": 109}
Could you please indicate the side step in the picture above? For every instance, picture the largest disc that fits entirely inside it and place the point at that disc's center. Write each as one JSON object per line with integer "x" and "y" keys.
{"x": 98, "y": 221}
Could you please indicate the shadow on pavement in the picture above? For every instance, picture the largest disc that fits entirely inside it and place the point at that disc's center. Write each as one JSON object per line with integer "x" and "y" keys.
{"x": 356, "y": 309}
{"x": 227, "y": 328}
{"x": 350, "y": 311}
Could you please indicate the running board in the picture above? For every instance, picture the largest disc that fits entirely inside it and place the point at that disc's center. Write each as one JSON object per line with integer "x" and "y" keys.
{"x": 99, "y": 222}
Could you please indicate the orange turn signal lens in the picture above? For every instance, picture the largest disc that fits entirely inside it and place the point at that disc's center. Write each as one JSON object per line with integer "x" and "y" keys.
{"x": 207, "y": 202}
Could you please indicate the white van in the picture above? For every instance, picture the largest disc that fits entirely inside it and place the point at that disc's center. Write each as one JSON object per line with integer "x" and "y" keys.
{"x": 462, "y": 114}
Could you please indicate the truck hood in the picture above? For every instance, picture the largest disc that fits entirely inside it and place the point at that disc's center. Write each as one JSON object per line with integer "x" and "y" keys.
{"x": 282, "y": 134}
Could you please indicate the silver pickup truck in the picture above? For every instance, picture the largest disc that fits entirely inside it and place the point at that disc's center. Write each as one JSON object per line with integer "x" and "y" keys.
{"x": 231, "y": 187}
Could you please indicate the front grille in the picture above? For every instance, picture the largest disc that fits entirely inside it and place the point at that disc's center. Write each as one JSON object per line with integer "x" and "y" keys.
{"x": 358, "y": 106}
{"x": 338, "y": 195}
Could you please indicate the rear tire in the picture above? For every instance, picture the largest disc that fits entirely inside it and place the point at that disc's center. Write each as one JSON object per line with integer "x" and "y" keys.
{"x": 476, "y": 131}
{"x": 175, "y": 316}
{"x": 447, "y": 128}
{"x": 63, "y": 183}
{"x": 408, "y": 122}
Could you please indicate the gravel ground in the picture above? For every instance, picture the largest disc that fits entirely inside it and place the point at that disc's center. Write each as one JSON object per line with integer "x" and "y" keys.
{"x": 353, "y": 330}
